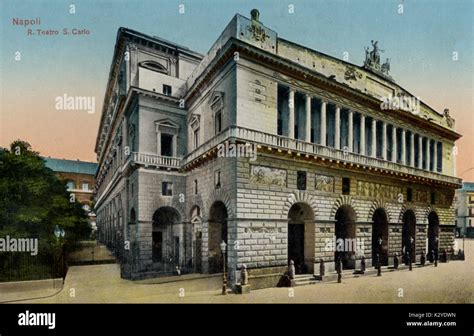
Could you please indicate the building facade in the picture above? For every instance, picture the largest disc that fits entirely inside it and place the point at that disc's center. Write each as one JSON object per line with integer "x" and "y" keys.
{"x": 464, "y": 202}
{"x": 272, "y": 147}
{"x": 79, "y": 176}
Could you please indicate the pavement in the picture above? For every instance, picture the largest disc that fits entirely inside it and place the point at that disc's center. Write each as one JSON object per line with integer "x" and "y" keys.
{"x": 448, "y": 283}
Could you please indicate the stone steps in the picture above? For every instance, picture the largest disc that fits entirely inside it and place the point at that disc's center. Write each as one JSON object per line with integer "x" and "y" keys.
{"x": 304, "y": 279}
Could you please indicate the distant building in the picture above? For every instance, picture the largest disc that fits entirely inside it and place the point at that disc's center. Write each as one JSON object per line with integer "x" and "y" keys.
{"x": 79, "y": 177}
{"x": 464, "y": 203}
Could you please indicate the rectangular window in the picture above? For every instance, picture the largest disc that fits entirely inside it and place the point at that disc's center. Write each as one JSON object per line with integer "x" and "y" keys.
{"x": 439, "y": 160}
{"x": 368, "y": 136}
{"x": 315, "y": 120}
{"x": 300, "y": 116}
{"x": 346, "y": 185}
{"x": 431, "y": 145}
{"x": 433, "y": 197}
{"x": 356, "y": 134}
{"x": 218, "y": 122}
{"x": 301, "y": 180}
{"x": 217, "y": 179}
{"x": 195, "y": 187}
{"x": 417, "y": 150}
{"x": 424, "y": 153}
{"x": 399, "y": 145}
{"x": 471, "y": 212}
{"x": 85, "y": 186}
{"x": 166, "y": 90}
{"x": 282, "y": 121}
{"x": 389, "y": 142}
{"x": 408, "y": 148}
{"x": 196, "y": 138}
{"x": 344, "y": 129}
{"x": 471, "y": 199}
{"x": 70, "y": 185}
{"x": 167, "y": 189}
{"x": 330, "y": 124}
{"x": 166, "y": 144}
{"x": 379, "y": 140}
{"x": 409, "y": 195}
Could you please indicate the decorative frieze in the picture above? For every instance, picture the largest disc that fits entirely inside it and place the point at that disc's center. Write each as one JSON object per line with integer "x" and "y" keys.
{"x": 421, "y": 196}
{"x": 378, "y": 190}
{"x": 268, "y": 176}
{"x": 324, "y": 183}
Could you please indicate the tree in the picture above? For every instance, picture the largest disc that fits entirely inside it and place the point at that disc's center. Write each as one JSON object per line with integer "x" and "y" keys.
{"x": 33, "y": 201}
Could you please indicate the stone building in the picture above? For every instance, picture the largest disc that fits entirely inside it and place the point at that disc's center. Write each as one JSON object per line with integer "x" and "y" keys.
{"x": 272, "y": 147}
{"x": 464, "y": 203}
{"x": 79, "y": 177}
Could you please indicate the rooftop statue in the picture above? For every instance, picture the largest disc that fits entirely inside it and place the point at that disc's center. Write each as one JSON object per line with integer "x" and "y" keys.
{"x": 372, "y": 60}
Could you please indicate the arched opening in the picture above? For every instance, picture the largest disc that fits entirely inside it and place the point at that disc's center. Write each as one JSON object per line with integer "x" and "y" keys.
{"x": 166, "y": 240}
{"x": 380, "y": 236}
{"x": 345, "y": 232}
{"x": 217, "y": 234}
{"x": 301, "y": 237}
{"x": 409, "y": 236}
{"x": 433, "y": 235}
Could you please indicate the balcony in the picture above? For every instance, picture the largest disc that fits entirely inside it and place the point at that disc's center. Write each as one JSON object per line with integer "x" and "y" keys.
{"x": 307, "y": 148}
{"x": 151, "y": 160}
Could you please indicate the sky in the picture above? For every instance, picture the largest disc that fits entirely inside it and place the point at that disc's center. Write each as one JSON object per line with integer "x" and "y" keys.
{"x": 430, "y": 44}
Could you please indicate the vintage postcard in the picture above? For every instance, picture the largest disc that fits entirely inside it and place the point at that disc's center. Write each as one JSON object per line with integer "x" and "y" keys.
{"x": 237, "y": 152}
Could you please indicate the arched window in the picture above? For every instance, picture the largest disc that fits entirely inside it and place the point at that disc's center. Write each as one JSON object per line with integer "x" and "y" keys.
{"x": 154, "y": 66}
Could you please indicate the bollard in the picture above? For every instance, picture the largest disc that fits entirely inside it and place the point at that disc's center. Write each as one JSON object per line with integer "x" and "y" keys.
{"x": 322, "y": 268}
{"x": 291, "y": 270}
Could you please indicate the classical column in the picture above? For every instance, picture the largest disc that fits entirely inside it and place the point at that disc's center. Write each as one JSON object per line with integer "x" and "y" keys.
{"x": 351, "y": 131}
{"x": 420, "y": 151}
{"x": 291, "y": 117}
{"x": 412, "y": 149}
{"x": 362, "y": 134}
{"x": 435, "y": 156}
{"x": 384, "y": 140}
{"x": 428, "y": 158}
{"x": 374, "y": 138}
{"x": 394, "y": 144}
{"x": 322, "y": 129}
{"x": 404, "y": 146}
{"x": 308, "y": 118}
{"x": 337, "y": 133}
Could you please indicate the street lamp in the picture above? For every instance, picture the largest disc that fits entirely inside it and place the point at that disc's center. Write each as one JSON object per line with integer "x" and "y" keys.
{"x": 223, "y": 246}
{"x": 60, "y": 233}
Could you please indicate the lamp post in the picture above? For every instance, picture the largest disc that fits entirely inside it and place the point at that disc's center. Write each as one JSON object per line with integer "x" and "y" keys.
{"x": 60, "y": 233}
{"x": 223, "y": 246}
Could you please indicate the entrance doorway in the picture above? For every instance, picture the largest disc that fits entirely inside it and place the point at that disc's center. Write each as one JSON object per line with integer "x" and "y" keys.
{"x": 345, "y": 236}
{"x": 301, "y": 237}
{"x": 409, "y": 236}
{"x": 433, "y": 235}
{"x": 380, "y": 236}
{"x": 217, "y": 234}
